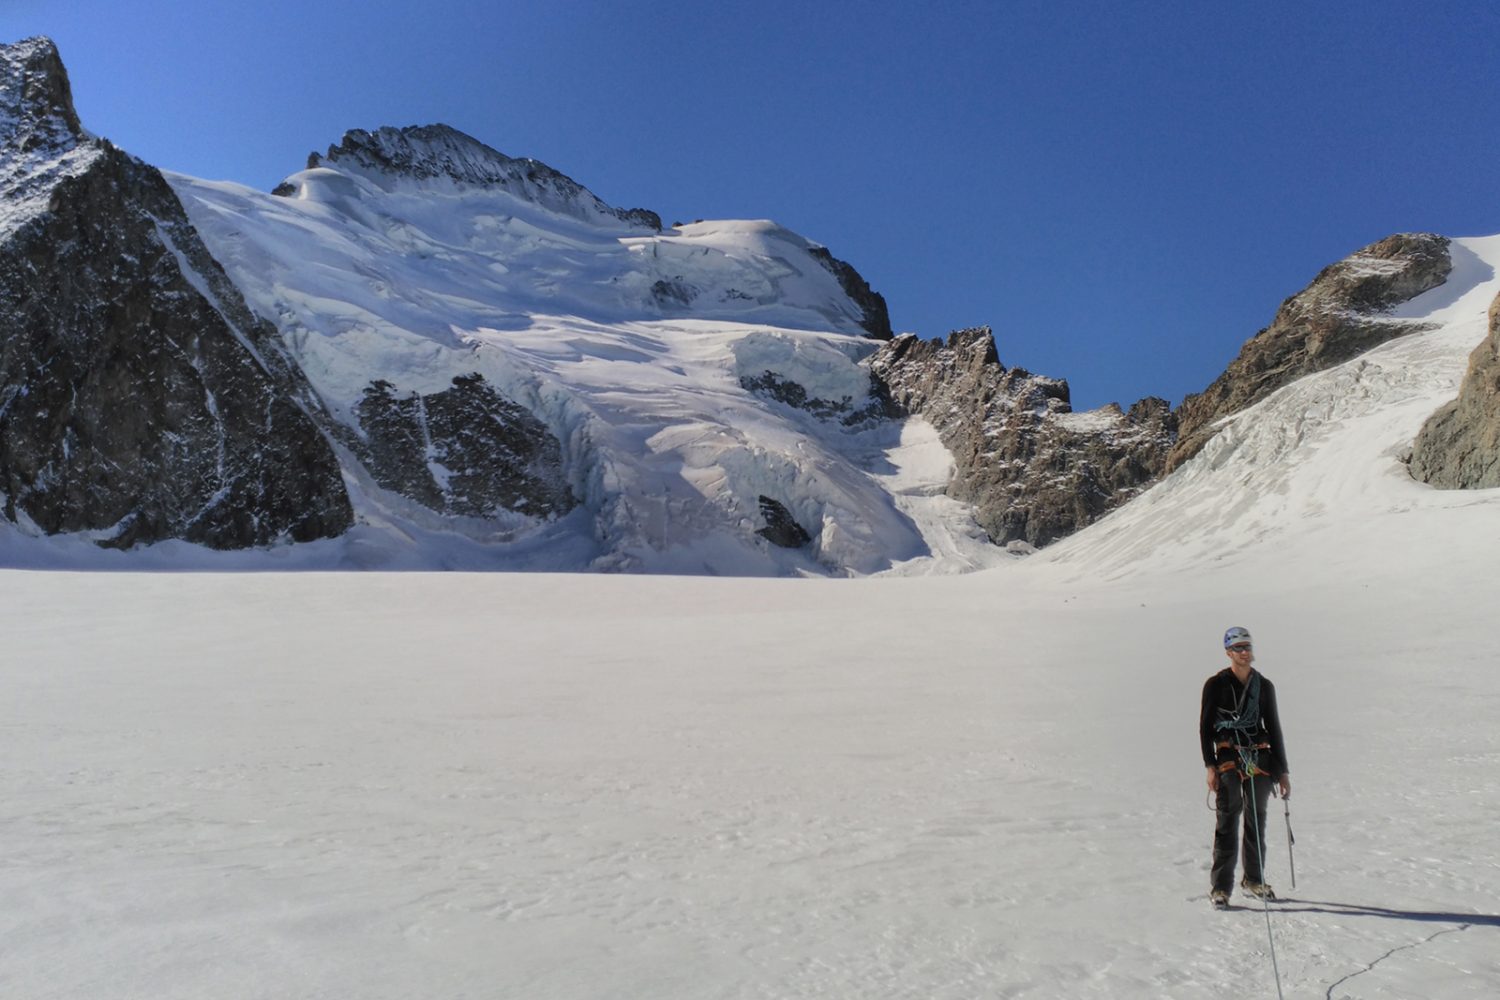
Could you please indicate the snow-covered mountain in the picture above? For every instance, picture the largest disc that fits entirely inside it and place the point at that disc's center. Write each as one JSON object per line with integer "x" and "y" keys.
{"x": 241, "y": 785}
{"x": 412, "y": 257}
{"x": 419, "y": 352}
{"x": 505, "y": 371}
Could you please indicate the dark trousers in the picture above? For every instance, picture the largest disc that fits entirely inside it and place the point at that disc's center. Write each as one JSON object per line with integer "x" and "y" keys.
{"x": 1231, "y": 806}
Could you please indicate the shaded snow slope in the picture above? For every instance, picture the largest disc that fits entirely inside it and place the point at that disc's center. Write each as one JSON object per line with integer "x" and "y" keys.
{"x": 631, "y": 346}
{"x": 1320, "y": 461}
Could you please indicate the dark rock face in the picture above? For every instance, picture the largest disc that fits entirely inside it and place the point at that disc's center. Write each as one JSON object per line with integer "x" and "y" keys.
{"x": 1033, "y": 469}
{"x": 770, "y": 385}
{"x": 673, "y": 294}
{"x": 140, "y": 399}
{"x": 36, "y": 100}
{"x": 425, "y": 151}
{"x": 877, "y": 319}
{"x": 781, "y": 528}
{"x": 466, "y": 451}
{"x": 1334, "y": 319}
{"x": 1459, "y": 446}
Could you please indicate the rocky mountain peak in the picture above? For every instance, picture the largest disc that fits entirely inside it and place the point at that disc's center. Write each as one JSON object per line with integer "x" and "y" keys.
{"x": 140, "y": 399}
{"x": 1459, "y": 446}
{"x": 41, "y": 139}
{"x": 1341, "y": 314}
{"x": 1033, "y": 469}
{"x": 422, "y": 152}
{"x": 36, "y": 101}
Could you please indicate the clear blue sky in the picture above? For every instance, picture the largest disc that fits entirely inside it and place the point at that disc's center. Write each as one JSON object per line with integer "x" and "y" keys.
{"x": 1124, "y": 191}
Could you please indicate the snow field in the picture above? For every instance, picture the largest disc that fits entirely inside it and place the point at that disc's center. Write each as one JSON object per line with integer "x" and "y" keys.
{"x": 399, "y": 786}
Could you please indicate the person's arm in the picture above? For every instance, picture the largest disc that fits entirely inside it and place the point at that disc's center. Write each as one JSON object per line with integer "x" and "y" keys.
{"x": 1206, "y": 735}
{"x": 1272, "y": 719}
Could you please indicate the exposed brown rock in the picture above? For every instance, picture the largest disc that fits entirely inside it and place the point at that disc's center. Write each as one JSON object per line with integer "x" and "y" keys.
{"x": 877, "y": 318}
{"x": 1033, "y": 469}
{"x": 1459, "y": 447}
{"x": 1338, "y": 316}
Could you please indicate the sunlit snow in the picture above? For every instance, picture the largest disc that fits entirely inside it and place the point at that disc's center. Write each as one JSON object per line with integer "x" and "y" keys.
{"x": 584, "y": 786}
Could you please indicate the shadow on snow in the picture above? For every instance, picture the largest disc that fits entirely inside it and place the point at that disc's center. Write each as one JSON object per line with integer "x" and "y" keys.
{"x": 1361, "y": 910}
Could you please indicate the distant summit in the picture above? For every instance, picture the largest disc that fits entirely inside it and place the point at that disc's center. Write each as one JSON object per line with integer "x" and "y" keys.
{"x": 140, "y": 399}
{"x": 36, "y": 101}
{"x": 41, "y": 140}
{"x": 424, "y": 152}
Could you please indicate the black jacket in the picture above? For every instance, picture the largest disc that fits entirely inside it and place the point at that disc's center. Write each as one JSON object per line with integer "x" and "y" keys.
{"x": 1221, "y": 698}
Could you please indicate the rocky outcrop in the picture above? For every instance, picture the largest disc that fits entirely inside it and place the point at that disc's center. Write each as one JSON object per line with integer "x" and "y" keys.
{"x": 140, "y": 400}
{"x": 770, "y": 385}
{"x": 1459, "y": 446}
{"x": 1340, "y": 315}
{"x": 36, "y": 100}
{"x": 876, "y": 319}
{"x": 428, "y": 151}
{"x": 781, "y": 529}
{"x": 1034, "y": 470}
{"x": 465, "y": 451}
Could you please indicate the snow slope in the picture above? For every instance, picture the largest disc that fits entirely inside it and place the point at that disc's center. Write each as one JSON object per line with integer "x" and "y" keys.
{"x": 629, "y": 344}
{"x": 1324, "y": 452}
{"x": 583, "y": 786}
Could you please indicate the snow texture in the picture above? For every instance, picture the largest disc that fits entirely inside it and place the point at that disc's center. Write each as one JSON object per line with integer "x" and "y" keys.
{"x": 629, "y": 345}
{"x": 580, "y": 786}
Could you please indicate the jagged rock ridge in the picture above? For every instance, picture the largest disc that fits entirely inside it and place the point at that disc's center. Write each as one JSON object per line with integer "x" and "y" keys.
{"x": 140, "y": 400}
{"x": 40, "y": 135}
{"x": 427, "y": 151}
{"x": 1341, "y": 314}
{"x": 36, "y": 99}
{"x": 1033, "y": 469}
{"x": 1459, "y": 446}
{"x": 877, "y": 318}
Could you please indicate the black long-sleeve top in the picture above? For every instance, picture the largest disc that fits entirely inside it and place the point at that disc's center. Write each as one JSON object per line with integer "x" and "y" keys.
{"x": 1221, "y": 696}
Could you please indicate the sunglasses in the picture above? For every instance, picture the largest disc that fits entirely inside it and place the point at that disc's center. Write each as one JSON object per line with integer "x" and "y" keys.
{"x": 1239, "y": 649}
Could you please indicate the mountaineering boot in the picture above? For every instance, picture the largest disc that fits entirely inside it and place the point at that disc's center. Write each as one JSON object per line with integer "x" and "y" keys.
{"x": 1257, "y": 889}
{"x": 1220, "y": 899}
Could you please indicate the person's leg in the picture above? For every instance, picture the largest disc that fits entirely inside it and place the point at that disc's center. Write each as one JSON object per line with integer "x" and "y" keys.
{"x": 1255, "y": 829}
{"x": 1228, "y": 804}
